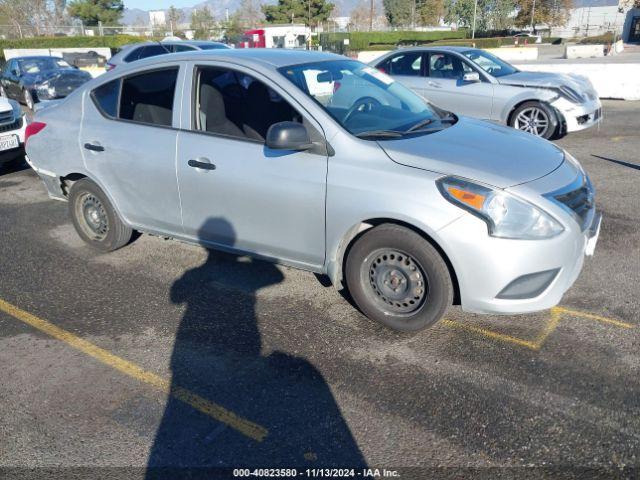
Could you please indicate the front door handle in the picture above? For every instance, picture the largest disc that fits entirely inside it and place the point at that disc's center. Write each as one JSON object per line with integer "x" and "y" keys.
{"x": 94, "y": 147}
{"x": 201, "y": 165}
{"x": 434, "y": 84}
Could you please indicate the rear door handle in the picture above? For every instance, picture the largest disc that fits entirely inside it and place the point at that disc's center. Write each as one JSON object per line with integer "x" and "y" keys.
{"x": 201, "y": 165}
{"x": 93, "y": 147}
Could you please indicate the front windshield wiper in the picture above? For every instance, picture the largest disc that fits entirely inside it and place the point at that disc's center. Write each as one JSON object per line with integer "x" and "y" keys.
{"x": 420, "y": 124}
{"x": 379, "y": 134}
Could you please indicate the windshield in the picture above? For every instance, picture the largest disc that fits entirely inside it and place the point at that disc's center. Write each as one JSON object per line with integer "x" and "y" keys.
{"x": 211, "y": 46}
{"x": 490, "y": 63}
{"x": 37, "y": 65}
{"x": 365, "y": 101}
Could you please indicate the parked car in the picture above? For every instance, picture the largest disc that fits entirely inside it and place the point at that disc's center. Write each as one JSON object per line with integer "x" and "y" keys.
{"x": 12, "y": 129}
{"x": 530, "y": 37}
{"x": 474, "y": 82}
{"x": 33, "y": 79}
{"x": 139, "y": 51}
{"x": 85, "y": 59}
{"x": 407, "y": 205}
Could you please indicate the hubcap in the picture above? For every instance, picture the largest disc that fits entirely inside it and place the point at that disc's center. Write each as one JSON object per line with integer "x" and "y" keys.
{"x": 532, "y": 120}
{"x": 396, "y": 281}
{"x": 93, "y": 217}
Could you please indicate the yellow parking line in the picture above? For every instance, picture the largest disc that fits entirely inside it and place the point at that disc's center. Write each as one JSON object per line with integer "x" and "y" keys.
{"x": 491, "y": 334}
{"x": 244, "y": 426}
{"x": 591, "y": 316}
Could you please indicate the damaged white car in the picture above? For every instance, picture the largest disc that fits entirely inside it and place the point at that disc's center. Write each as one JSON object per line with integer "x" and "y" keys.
{"x": 473, "y": 82}
{"x": 12, "y": 130}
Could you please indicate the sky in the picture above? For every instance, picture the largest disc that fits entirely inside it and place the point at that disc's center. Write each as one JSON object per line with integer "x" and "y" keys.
{"x": 158, "y": 4}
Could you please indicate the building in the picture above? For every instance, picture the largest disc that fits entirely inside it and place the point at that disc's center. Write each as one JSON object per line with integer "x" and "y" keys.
{"x": 589, "y": 18}
{"x": 276, "y": 36}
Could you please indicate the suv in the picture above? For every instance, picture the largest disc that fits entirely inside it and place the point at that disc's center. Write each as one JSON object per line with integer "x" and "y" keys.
{"x": 138, "y": 51}
{"x": 12, "y": 128}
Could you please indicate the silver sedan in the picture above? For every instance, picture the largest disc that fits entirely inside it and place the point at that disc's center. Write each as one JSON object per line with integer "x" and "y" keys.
{"x": 409, "y": 207}
{"x": 474, "y": 82}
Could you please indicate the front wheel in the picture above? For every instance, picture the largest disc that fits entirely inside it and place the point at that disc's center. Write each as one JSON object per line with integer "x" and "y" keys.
{"x": 95, "y": 219}
{"x": 28, "y": 99}
{"x": 536, "y": 118}
{"x": 398, "y": 278}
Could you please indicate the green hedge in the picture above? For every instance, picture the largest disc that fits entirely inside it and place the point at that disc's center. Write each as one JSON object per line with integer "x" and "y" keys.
{"x": 359, "y": 41}
{"x": 113, "y": 42}
{"x": 606, "y": 38}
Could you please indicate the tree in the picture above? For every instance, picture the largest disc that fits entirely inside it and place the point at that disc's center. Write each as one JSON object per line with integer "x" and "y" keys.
{"x": 311, "y": 12}
{"x": 550, "y": 12}
{"x": 202, "y": 22}
{"x": 93, "y": 11}
{"x": 174, "y": 17}
{"x": 360, "y": 17}
{"x": 430, "y": 12}
{"x": 29, "y": 16}
{"x": 399, "y": 13}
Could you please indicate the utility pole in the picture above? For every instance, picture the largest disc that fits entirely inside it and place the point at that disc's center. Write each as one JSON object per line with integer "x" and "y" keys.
{"x": 371, "y": 13}
{"x": 533, "y": 12}
{"x": 475, "y": 12}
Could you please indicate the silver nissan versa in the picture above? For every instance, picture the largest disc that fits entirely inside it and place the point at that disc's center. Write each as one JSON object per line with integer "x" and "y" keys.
{"x": 282, "y": 155}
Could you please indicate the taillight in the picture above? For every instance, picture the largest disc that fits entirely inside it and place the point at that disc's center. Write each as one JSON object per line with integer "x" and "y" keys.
{"x": 33, "y": 129}
{"x": 382, "y": 69}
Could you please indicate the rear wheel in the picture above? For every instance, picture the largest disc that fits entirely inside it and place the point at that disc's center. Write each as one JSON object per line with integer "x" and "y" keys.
{"x": 536, "y": 118}
{"x": 95, "y": 219}
{"x": 398, "y": 278}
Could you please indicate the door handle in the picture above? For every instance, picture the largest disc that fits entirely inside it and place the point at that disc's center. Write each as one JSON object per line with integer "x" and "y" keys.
{"x": 94, "y": 148}
{"x": 434, "y": 84}
{"x": 201, "y": 165}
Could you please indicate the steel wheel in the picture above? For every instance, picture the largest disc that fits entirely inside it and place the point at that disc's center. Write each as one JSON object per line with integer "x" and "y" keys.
{"x": 533, "y": 120}
{"x": 93, "y": 216}
{"x": 396, "y": 281}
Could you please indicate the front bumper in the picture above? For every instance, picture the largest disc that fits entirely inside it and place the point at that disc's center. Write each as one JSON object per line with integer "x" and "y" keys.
{"x": 579, "y": 117}
{"x": 499, "y": 276}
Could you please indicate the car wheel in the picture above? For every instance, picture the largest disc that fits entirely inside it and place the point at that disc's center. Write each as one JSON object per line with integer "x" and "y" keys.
{"x": 95, "y": 219}
{"x": 28, "y": 98}
{"x": 536, "y": 118}
{"x": 398, "y": 278}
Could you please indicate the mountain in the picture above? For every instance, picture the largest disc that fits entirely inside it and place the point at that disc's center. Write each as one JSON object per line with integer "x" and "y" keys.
{"x": 132, "y": 16}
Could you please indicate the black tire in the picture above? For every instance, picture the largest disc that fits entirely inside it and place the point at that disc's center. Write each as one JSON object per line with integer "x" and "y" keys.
{"x": 544, "y": 111}
{"x": 409, "y": 258}
{"x": 95, "y": 219}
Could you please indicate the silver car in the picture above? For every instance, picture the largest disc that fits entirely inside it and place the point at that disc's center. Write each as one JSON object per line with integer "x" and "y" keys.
{"x": 411, "y": 208}
{"x": 473, "y": 82}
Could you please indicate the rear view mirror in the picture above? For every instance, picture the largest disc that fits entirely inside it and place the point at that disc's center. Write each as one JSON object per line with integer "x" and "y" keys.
{"x": 327, "y": 77}
{"x": 471, "y": 77}
{"x": 288, "y": 136}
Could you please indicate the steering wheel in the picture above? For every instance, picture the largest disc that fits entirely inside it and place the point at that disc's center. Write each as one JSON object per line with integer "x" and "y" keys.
{"x": 364, "y": 104}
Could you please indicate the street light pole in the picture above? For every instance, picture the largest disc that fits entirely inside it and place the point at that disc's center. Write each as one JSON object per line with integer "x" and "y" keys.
{"x": 475, "y": 12}
{"x": 533, "y": 11}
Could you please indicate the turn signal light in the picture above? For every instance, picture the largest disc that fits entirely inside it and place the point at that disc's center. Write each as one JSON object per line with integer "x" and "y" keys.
{"x": 474, "y": 200}
{"x": 33, "y": 129}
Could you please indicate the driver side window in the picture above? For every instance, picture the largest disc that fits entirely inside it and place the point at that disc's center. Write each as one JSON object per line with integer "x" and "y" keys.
{"x": 447, "y": 66}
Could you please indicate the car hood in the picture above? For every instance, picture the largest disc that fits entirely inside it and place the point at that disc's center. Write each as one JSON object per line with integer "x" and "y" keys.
{"x": 71, "y": 74}
{"x": 478, "y": 150}
{"x": 547, "y": 79}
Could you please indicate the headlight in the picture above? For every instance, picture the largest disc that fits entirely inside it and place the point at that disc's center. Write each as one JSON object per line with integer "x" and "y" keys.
{"x": 46, "y": 91}
{"x": 506, "y": 215}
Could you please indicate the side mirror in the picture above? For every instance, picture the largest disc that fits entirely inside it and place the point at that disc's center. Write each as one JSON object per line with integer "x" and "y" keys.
{"x": 471, "y": 77}
{"x": 288, "y": 136}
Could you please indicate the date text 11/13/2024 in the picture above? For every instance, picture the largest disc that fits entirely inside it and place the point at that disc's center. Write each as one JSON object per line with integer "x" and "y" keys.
{"x": 316, "y": 473}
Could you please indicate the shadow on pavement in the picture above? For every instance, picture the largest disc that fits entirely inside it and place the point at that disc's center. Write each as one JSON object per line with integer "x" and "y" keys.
{"x": 218, "y": 357}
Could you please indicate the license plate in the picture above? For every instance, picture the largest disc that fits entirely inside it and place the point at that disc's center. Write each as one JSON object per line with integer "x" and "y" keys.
{"x": 590, "y": 247}
{"x": 9, "y": 142}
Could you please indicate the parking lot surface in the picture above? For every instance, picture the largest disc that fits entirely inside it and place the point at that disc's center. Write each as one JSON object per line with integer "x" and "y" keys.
{"x": 166, "y": 355}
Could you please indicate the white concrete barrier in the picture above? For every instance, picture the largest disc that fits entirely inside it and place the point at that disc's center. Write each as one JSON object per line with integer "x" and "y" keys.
{"x": 515, "y": 53}
{"x": 10, "y": 53}
{"x": 583, "y": 51}
{"x": 367, "y": 57}
{"x": 611, "y": 80}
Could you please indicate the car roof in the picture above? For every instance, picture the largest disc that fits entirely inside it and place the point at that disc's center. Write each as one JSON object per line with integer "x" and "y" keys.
{"x": 194, "y": 43}
{"x": 36, "y": 57}
{"x": 269, "y": 57}
{"x": 449, "y": 48}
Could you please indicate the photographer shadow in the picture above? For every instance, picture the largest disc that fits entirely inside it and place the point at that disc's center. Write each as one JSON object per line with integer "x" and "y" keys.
{"x": 217, "y": 355}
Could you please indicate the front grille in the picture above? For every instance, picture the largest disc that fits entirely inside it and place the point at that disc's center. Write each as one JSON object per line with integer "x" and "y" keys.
{"x": 578, "y": 201}
{"x": 8, "y": 127}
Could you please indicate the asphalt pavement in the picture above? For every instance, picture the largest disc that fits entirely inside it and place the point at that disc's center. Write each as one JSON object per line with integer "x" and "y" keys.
{"x": 165, "y": 355}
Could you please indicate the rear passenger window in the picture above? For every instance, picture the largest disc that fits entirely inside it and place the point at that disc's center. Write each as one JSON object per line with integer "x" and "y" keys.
{"x": 106, "y": 98}
{"x": 148, "y": 97}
